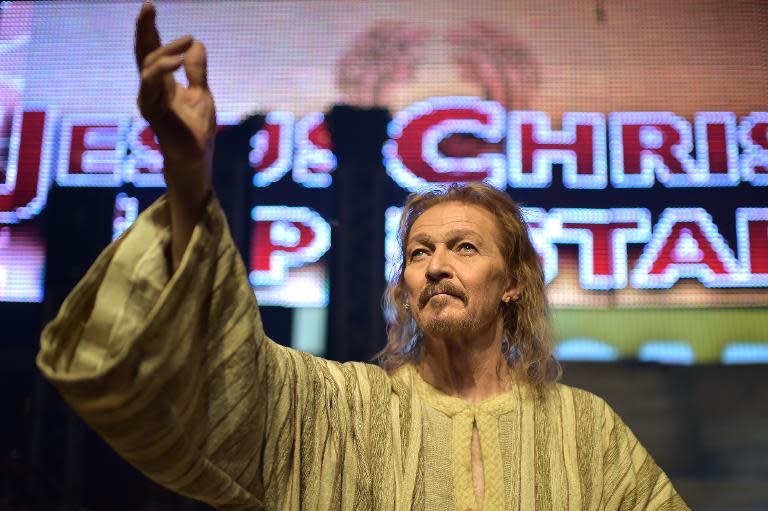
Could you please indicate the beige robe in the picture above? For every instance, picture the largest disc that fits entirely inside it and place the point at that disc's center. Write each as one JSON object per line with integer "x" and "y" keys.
{"x": 176, "y": 373}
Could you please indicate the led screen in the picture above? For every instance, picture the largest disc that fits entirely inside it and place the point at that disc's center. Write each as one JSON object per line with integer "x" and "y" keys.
{"x": 635, "y": 136}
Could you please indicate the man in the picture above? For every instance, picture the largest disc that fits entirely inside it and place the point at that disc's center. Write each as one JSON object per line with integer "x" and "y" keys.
{"x": 161, "y": 350}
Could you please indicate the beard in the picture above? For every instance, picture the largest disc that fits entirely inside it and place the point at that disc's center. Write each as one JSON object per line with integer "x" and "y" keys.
{"x": 445, "y": 327}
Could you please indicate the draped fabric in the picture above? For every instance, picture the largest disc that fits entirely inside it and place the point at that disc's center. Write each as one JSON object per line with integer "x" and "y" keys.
{"x": 176, "y": 373}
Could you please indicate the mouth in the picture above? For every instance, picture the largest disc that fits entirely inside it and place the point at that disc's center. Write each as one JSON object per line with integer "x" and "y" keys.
{"x": 443, "y": 299}
{"x": 428, "y": 296}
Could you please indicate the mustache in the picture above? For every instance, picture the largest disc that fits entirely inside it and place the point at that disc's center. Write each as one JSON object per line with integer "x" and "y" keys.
{"x": 440, "y": 288}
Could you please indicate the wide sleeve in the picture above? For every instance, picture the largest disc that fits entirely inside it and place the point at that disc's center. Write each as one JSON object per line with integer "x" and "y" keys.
{"x": 631, "y": 478}
{"x": 176, "y": 373}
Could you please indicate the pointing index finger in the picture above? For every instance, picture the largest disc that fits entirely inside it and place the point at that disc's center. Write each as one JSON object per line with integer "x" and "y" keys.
{"x": 147, "y": 36}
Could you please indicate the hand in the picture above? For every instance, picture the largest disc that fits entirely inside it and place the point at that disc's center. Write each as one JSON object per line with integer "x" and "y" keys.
{"x": 381, "y": 58}
{"x": 497, "y": 61}
{"x": 182, "y": 118}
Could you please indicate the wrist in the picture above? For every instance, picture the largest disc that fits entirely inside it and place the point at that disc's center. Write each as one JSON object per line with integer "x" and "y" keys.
{"x": 184, "y": 212}
{"x": 188, "y": 182}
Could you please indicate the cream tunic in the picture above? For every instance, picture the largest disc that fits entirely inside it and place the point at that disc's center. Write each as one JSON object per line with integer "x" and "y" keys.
{"x": 177, "y": 375}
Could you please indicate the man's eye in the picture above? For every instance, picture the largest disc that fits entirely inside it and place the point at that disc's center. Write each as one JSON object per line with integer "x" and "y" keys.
{"x": 467, "y": 247}
{"x": 418, "y": 253}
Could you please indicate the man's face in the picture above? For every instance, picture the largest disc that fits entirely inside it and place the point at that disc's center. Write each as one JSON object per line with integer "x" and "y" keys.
{"x": 454, "y": 273}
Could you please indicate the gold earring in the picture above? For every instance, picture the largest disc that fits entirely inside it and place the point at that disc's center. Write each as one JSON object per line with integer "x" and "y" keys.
{"x": 407, "y": 306}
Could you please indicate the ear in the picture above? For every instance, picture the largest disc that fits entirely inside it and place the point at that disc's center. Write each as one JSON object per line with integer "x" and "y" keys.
{"x": 512, "y": 294}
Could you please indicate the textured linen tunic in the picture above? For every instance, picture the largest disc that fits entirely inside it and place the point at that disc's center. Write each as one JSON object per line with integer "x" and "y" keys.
{"x": 176, "y": 373}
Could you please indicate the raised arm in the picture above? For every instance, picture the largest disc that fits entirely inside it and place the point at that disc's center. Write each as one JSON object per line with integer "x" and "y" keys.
{"x": 170, "y": 363}
{"x": 183, "y": 119}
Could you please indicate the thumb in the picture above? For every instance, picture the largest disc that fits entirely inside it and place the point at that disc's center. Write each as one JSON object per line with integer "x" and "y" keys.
{"x": 196, "y": 65}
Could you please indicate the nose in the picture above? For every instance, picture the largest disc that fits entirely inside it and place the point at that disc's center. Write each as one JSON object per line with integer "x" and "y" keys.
{"x": 439, "y": 266}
